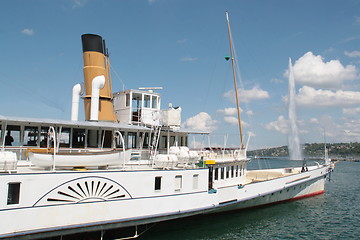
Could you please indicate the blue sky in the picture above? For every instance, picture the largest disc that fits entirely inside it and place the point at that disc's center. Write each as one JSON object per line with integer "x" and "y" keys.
{"x": 180, "y": 45}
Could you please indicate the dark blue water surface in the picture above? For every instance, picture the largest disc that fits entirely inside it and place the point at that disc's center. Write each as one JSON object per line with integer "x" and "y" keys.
{"x": 333, "y": 215}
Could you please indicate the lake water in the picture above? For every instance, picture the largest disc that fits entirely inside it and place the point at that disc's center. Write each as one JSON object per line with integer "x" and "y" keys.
{"x": 333, "y": 215}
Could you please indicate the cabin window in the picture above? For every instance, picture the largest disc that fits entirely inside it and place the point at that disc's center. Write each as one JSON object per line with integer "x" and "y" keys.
{"x": 196, "y": 181}
{"x": 136, "y": 106}
{"x": 222, "y": 173}
{"x": 92, "y": 138}
{"x": 106, "y": 139}
{"x": 65, "y": 137}
{"x": 118, "y": 140}
{"x": 12, "y": 137}
{"x": 164, "y": 141}
{"x": 127, "y": 100}
{"x": 216, "y": 174}
{"x": 44, "y": 136}
{"x": 154, "y": 102}
{"x": 172, "y": 141}
{"x": 232, "y": 171}
{"x": 78, "y": 139}
{"x": 136, "y": 100}
{"x": 227, "y": 171}
{"x": 157, "y": 183}
{"x": 146, "y": 101}
{"x": 13, "y": 193}
{"x": 186, "y": 141}
{"x": 131, "y": 140}
{"x": 178, "y": 182}
{"x": 181, "y": 141}
{"x": 237, "y": 171}
{"x": 146, "y": 140}
{"x": 30, "y": 136}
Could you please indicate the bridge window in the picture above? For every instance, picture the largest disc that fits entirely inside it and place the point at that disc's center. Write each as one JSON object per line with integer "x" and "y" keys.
{"x": 146, "y": 101}
{"x": 154, "y": 102}
{"x": 127, "y": 100}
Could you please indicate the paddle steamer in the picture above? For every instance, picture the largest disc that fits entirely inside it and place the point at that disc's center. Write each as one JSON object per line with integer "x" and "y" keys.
{"x": 127, "y": 164}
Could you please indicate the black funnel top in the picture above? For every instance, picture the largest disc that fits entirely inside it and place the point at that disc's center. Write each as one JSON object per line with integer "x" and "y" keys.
{"x": 92, "y": 42}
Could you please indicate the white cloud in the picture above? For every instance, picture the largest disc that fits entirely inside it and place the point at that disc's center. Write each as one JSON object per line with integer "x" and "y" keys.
{"x": 188, "y": 59}
{"x": 314, "y": 120}
{"x": 311, "y": 70}
{"x": 201, "y": 121}
{"x": 232, "y": 120}
{"x": 182, "y": 41}
{"x": 231, "y": 116}
{"x": 78, "y": 3}
{"x": 256, "y": 93}
{"x": 228, "y": 111}
{"x": 347, "y": 131}
{"x": 27, "y": 31}
{"x": 351, "y": 111}
{"x": 311, "y": 97}
{"x": 352, "y": 54}
{"x": 250, "y": 113}
{"x": 276, "y": 80}
{"x": 280, "y": 125}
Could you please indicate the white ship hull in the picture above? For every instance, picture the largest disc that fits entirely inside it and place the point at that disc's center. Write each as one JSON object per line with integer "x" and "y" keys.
{"x": 56, "y": 205}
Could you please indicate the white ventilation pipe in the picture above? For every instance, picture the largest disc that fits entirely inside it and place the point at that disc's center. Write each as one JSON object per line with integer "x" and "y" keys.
{"x": 77, "y": 91}
{"x": 97, "y": 84}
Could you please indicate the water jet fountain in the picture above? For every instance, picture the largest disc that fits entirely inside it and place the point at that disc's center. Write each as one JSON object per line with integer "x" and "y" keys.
{"x": 295, "y": 152}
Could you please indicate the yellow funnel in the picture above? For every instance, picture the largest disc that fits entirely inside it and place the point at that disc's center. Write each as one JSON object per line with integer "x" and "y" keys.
{"x": 96, "y": 63}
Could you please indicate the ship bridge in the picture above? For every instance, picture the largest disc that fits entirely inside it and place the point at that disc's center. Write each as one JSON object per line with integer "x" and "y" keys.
{"x": 139, "y": 107}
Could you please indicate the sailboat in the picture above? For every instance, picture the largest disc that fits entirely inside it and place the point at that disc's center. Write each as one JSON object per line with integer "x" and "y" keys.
{"x": 160, "y": 179}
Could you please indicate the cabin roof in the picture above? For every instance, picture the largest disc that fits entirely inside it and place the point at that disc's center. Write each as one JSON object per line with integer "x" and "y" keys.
{"x": 137, "y": 91}
{"x": 69, "y": 123}
{"x": 78, "y": 124}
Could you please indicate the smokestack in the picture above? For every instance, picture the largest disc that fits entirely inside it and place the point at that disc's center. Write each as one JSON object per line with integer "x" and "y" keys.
{"x": 96, "y": 63}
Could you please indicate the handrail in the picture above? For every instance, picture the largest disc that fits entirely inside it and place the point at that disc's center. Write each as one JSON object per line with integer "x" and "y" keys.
{"x": 52, "y": 130}
{"x": 123, "y": 145}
